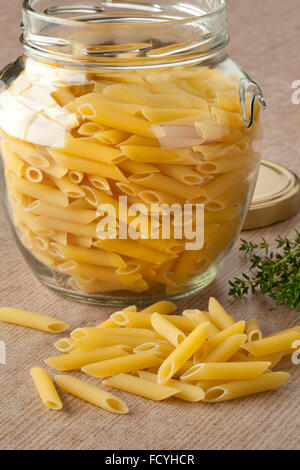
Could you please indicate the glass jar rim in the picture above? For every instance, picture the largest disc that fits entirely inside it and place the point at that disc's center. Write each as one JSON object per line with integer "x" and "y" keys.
{"x": 52, "y": 14}
{"x": 124, "y": 33}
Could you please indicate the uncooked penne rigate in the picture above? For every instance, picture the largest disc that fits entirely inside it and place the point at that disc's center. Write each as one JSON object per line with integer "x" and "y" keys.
{"x": 157, "y": 358}
{"x": 160, "y": 139}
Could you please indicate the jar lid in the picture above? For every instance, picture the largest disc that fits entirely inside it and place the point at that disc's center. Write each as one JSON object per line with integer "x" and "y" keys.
{"x": 276, "y": 196}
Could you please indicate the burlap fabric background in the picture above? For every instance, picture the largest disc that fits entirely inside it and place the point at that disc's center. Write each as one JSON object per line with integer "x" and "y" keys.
{"x": 265, "y": 40}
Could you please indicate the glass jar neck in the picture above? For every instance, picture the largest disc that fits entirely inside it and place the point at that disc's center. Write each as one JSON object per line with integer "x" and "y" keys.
{"x": 119, "y": 35}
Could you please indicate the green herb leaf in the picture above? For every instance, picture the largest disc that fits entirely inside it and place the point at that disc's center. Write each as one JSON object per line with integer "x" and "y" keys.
{"x": 275, "y": 273}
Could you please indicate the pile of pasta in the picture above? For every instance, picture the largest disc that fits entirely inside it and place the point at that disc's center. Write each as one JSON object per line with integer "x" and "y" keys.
{"x": 71, "y": 145}
{"x": 197, "y": 356}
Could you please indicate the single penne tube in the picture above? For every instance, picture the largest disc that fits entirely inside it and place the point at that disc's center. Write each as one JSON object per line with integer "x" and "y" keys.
{"x": 92, "y": 256}
{"x": 65, "y": 345}
{"x": 82, "y": 216}
{"x": 183, "y": 352}
{"x": 158, "y": 155}
{"x": 186, "y": 392}
{"x": 40, "y": 191}
{"x": 77, "y": 359}
{"x": 94, "y": 395}
{"x": 86, "y": 166}
{"x": 181, "y": 173}
{"x": 104, "y": 331}
{"x": 170, "y": 185}
{"x": 32, "y": 320}
{"x": 226, "y": 350}
{"x": 225, "y": 371}
{"x": 133, "y": 249}
{"x": 272, "y": 345}
{"x": 253, "y": 330}
{"x": 164, "y": 307}
{"x": 90, "y": 149}
{"x": 96, "y": 272}
{"x": 236, "y": 329}
{"x": 85, "y": 230}
{"x": 143, "y": 320}
{"x": 101, "y": 113}
{"x": 237, "y": 389}
{"x": 46, "y": 388}
{"x": 138, "y": 386}
{"x": 128, "y": 363}
{"x": 198, "y": 316}
{"x": 219, "y": 316}
{"x": 166, "y": 329}
{"x": 87, "y": 343}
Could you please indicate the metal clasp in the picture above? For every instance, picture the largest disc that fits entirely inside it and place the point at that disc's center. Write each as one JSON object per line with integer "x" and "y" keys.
{"x": 248, "y": 86}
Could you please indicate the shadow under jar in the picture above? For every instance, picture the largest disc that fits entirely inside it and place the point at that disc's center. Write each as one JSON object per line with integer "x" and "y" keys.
{"x": 130, "y": 147}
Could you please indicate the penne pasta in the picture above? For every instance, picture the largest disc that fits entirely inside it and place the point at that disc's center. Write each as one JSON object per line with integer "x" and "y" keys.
{"x": 83, "y": 216}
{"x": 78, "y": 359}
{"x": 272, "y": 345}
{"x": 32, "y": 320}
{"x": 219, "y": 316}
{"x": 138, "y": 386}
{"x": 183, "y": 352}
{"x": 128, "y": 363}
{"x": 41, "y": 191}
{"x": 242, "y": 388}
{"x": 93, "y": 256}
{"x": 225, "y": 371}
{"x": 94, "y": 395}
{"x": 45, "y": 388}
{"x": 87, "y": 343}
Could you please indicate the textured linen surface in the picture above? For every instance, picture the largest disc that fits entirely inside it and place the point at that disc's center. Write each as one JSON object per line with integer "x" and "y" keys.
{"x": 265, "y": 41}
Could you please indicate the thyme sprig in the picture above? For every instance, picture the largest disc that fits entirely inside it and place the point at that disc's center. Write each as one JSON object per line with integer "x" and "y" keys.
{"x": 276, "y": 272}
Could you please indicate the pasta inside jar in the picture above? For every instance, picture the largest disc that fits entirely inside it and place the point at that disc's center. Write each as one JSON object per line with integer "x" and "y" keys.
{"x": 128, "y": 184}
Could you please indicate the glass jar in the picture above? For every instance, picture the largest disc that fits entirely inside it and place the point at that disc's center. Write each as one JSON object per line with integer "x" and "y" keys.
{"x": 130, "y": 147}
